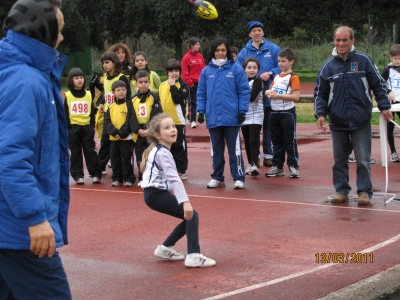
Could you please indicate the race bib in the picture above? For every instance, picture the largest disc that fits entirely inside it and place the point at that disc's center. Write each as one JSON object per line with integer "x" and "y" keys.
{"x": 142, "y": 110}
{"x": 109, "y": 98}
{"x": 79, "y": 108}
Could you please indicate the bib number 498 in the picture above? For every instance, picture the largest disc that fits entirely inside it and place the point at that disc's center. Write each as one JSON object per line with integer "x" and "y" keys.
{"x": 79, "y": 108}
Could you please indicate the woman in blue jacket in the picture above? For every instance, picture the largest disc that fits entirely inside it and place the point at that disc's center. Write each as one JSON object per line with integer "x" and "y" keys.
{"x": 223, "y": 96}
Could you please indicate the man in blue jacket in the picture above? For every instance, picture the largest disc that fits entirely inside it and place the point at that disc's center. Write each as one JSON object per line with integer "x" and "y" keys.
{"x": 34, "y": 179}
{"x": 342, "y": 91}
{"x": 267, "y": 54}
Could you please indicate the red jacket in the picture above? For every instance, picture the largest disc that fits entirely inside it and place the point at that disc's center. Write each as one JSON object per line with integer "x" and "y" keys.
{"x": 192, "y": 64}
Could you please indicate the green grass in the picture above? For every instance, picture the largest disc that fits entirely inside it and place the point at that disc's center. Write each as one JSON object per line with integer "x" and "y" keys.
{"x": 305, "y": 114}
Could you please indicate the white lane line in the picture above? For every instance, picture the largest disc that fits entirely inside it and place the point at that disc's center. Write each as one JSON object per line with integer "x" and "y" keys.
{"x": 298, "y": 274}
{"x": 252, "y": 200}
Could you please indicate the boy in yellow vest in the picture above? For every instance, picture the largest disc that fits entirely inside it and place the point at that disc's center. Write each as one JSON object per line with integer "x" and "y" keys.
{"x": 173, "y": 94}
{"x": 145, "y": 106}
{"x": 116, "y": 124}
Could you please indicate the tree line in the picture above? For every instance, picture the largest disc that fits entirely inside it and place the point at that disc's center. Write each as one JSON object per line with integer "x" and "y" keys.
{"x": 93, "y": 23}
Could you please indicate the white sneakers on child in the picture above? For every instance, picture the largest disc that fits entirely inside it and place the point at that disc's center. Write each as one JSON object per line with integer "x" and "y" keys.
{"x": 194, "y": 260}
{"x": 167, "y": 253}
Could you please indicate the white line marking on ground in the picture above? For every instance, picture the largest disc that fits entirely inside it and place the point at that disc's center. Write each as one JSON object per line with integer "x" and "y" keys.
{"x": 253, "y": 200}
{"x": 298, "y": 274}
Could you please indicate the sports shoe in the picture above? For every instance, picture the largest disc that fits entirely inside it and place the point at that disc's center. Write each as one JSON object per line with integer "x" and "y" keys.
{"x": 274, "y": 171}
{"x": 139, "y": 183}
{"x": 293, "y": 172}
{"x": 96, "y": 180}
{"x": 395, "y": 157}
{"x": 254, "y": 170}
{"x": 193, "y": 124}
{"x": 340, "y": 198}
{"x": 215, "y": 183}
{"x": 128, "y": 184}
{"x": 363, "y": 198}
{"x": 109, "y": 165}
{"x": 352, "y": 159}
{"x": 183, "y": 176}
{"x": 194, "y": 260}
{"x": 187, "y": 122}
{"x": 248, "y": 170}
{"x": 238, "y": 185}
{"x": 116, "y": 183}
{"x": 103, "y": 172}
{"x": 167, "y": 253}
{"x": 267, "y": 162}
{"x": 79, "y": 181}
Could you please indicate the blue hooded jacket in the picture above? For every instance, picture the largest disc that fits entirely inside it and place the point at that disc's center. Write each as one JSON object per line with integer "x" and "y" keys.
{"x": 34, "y": 159}
{"x": 267, "y": 55}
{"x": 222, "y": 93}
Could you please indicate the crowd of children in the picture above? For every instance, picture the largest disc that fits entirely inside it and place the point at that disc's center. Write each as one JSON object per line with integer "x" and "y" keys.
{"x": 131, "y": 95}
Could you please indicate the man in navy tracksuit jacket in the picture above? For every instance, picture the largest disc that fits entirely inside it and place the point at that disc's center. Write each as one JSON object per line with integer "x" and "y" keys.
{"x": 342, "y": 91}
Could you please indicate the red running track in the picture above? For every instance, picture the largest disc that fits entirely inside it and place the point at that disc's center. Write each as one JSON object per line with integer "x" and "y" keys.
{"x": 264, "y": 238}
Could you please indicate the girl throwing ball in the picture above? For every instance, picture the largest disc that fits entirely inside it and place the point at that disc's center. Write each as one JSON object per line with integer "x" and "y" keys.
{"x": 160, "y": 178}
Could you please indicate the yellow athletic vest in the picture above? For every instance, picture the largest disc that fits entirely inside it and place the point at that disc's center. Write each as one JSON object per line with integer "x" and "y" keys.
{"x": 79, "y": 108}
{"x": 118, "y": 114}
{"x": 142, "y": 111}
{"x": 109, "y": 99}
{"x": 152, "y": 86}
{"x": 168, "y": 105}
{"x": 108, "y": 95}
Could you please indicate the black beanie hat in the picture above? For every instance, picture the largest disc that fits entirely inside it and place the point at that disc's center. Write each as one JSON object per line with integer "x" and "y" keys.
{"x": 34, "y": 18}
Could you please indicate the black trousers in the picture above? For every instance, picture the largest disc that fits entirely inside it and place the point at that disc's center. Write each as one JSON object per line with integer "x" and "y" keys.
{"x": 390, "y": 136}
{"x": 251, "y": 137}
{"x": 179, "y": 150}
{"x": 104, "y": 153}
{"x": 121, "y": 154}
{"x": 81, "y": 139}
{"x": 192, "y": 107}
{"x": 283, "y": 136}
{"x": 166, "y": 203}
{"x": 140, "y": 145}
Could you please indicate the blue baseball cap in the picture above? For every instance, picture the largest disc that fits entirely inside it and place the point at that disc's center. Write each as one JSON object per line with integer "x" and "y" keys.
{"x": 254, "y": 24}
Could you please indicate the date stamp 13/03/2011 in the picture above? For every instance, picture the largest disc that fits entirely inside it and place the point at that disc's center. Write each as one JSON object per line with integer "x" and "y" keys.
{"x": 343, "y": 258}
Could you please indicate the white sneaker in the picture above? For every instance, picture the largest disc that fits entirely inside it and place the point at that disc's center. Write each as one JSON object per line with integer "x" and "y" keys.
{"x": 215, "y": 183}
{"x": 139, "y": 183}
{"x": 193, "y": 124}
{"x": 195, "y": 260}
{"x": 395, "y": 157}
{"x": 104, "y": 172}
{"x": 167, "y": 253}
{"x": 293, "y": 172}
{"x": 187, "y": 122}
{"x": 254, "y": 170}
{"x": 248, "y": 170}
{"x": 238, "y": 185}
{"x": 183, "y": 176}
